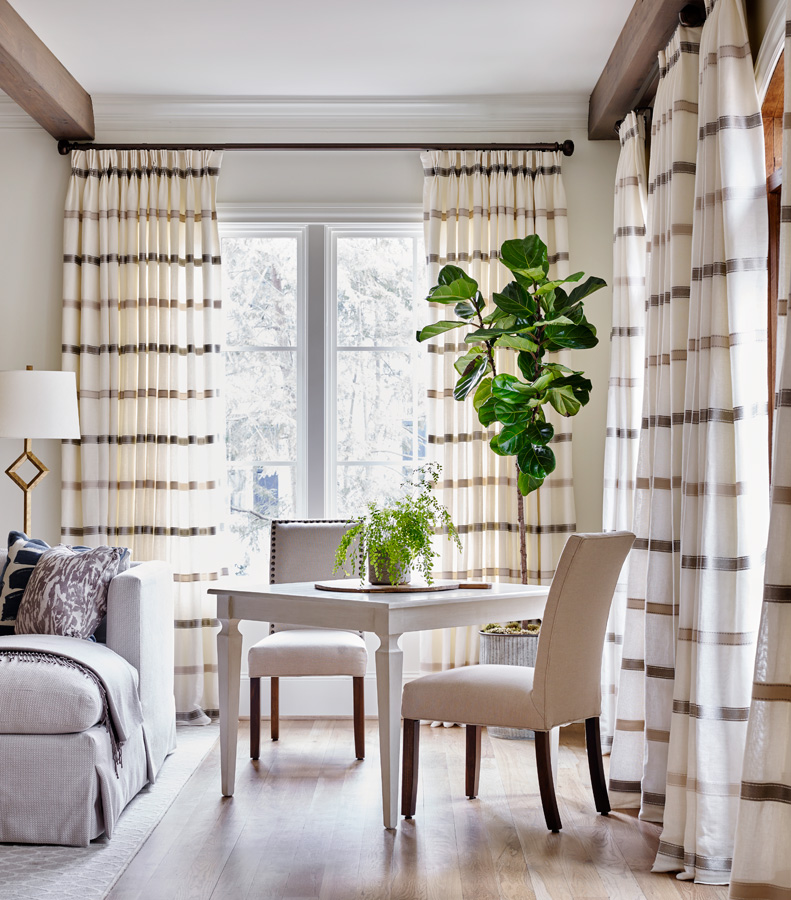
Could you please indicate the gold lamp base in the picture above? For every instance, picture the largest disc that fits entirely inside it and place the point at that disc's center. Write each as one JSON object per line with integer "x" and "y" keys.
{"x": 27, "y": 486}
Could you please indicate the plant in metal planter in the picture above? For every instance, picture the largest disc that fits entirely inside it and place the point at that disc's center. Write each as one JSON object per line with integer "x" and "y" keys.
{"x": 510, "y": 644}
{"x": 532, "y": 316}
{"x": 397, "y": 536}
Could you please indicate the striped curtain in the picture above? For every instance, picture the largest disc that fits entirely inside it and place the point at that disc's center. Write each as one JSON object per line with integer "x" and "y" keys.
{"x": 725, "y": 482}
{"x": 141, "y": 330}
{"x": 761, "y": 867}
{"x": 642, "y": 728}
{"x": 625, "y": 392}
{"x": 473, "y": 201}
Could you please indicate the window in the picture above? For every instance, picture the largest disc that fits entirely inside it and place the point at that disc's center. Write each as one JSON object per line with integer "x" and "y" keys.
{"x": 324, "y": 392}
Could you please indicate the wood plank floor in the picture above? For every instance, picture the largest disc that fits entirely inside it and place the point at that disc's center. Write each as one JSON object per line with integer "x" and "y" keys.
{"x": 306, "y": 822}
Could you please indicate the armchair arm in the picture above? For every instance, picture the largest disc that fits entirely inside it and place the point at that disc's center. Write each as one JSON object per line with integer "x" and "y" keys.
{"x": 140, "y": 628}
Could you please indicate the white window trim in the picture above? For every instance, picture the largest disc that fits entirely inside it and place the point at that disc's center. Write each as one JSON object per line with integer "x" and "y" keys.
{"x": 316, "y": 494}
{"x": 333, "y": 233}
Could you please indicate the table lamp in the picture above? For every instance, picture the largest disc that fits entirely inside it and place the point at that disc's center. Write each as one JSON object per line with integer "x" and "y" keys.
{"x": 36, "y": 405}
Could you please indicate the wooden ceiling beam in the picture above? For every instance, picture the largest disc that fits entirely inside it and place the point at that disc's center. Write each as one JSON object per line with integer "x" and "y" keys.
{"x": 39, "y": 83}
{"x": 630, "y": 77}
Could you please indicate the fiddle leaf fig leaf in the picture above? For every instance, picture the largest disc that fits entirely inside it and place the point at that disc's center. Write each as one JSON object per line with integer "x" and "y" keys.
{"x": 453, "y": 292}
{"x": 567, "y": 395}
{"x": 496, "y": 315}
{"x": 526, "y": 256}
{"x": 431, "y": 331}
{"x": 465, "y": 309}
{"x": 449, "y": 274}
{"x": 482, "y": 393}
{"x": 510, "y": 414}
{"x": 536, "y": 460}
{"x": 517, "y": 342}
{"x": 587, "y": 287}
{"x": 486, "y": 413}
{"x": 527, "y": 365}
{"x": 490, "y": 334}
{"x": 463, "y": 361}
{"x": 471, "y": 376}
{"x": 528, "y": 483}
{"x": 572, "y": 337}
{"x": 515, "y": 300}
{"x": 539, "y": 432}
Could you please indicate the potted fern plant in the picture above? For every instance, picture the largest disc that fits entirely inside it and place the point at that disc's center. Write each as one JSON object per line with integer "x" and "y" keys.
{"x": 397, "y": 536}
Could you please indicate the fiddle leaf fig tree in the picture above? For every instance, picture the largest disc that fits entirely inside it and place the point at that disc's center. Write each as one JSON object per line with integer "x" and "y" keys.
{"x": 532, "y": 316}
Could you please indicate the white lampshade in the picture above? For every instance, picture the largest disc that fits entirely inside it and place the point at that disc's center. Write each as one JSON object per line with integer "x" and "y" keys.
{"x": 37, "y": 404}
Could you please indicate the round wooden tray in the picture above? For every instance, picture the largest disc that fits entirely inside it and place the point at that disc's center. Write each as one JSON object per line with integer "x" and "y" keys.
{"x": 418, "y": 588}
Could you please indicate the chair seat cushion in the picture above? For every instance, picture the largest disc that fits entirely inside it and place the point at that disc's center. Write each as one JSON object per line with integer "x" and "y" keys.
{"x": 308, "y": 652}
{"x": 41, "y": 698}
{"x": 475, "y": 695}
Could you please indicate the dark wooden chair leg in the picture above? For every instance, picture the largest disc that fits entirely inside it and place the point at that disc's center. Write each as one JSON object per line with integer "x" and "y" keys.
{"x": 545, "y": 783}
{"x": 274, "y": 719}
{"x": 255, "y": 717}
{"x": 359, "y": 717}
{"x": 410, "y": 763}
{"x": 596, "y": 765}
{"x": 473, "y": 768}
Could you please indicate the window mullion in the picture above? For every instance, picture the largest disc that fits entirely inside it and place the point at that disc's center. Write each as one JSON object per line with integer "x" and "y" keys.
{"x": 314, "y": 413}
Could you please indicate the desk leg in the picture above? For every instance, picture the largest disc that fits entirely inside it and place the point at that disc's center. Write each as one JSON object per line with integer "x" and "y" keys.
{"x": 389, "y": 669}
{"x": 229, "y": 659}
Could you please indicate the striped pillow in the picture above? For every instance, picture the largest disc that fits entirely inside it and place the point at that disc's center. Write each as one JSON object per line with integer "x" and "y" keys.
{"x": 23, "y": 554}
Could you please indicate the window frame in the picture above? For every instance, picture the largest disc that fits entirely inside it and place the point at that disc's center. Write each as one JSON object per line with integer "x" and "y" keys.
{"x": 317, "y": 228}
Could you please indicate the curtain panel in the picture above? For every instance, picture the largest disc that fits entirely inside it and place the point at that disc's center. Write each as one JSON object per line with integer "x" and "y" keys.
{"x": 473, "y": 201}
{"x": 642, "y": 728}
{"x": 761, "y": 867}
{"x": 725, "y": 479}
{"x": 625, "y": 389}
{"x": 141, "y": 330}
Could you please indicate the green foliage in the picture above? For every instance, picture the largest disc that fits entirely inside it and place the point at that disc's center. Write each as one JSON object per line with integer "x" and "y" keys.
{"x": 532, "y": 316}
{"x": 511, "y": 628}
{"x": 397, "y": 535}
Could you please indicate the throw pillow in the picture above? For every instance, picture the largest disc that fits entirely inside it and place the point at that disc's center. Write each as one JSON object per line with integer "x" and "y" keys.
{"x": 67, "y": 591}
{"x": 23, "y": 554}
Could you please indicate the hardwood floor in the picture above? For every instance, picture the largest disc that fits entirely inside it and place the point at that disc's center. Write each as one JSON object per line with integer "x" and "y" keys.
{"x": 306, "y": 822}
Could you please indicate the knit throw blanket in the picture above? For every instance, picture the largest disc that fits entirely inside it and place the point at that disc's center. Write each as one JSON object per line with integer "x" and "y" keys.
{"x": 36, "y": 656}
{"x": 115, "y": 678}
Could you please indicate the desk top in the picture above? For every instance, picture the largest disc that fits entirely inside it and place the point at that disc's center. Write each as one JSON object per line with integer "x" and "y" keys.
{"x": 300, "y": 603}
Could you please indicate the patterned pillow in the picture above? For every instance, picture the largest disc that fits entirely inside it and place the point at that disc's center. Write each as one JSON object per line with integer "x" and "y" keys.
{"x": 23, "y": 554}
{"x": 67, "y": 592}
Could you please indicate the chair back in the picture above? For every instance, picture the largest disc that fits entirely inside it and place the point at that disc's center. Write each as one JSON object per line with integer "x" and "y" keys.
{"x": 567, "y": 680}
{"x": 304, "y": 550}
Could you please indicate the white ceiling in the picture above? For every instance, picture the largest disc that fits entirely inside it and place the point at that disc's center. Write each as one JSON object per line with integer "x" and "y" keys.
{"x": 320, "y": 48}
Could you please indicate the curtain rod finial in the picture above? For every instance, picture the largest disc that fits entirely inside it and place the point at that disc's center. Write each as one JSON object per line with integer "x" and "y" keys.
{"x": 64, "y": 147}
{"x": 567, "y": 147}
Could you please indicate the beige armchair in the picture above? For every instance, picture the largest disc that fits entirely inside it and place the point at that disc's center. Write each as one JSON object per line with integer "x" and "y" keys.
{"x": 305, "y": 551}
{"x": 563, "y": 687}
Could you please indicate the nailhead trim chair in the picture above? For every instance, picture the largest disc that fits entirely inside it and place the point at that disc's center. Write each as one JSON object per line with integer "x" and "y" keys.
{"x": 304, "y": 550}
{"x": 563, "y": 687}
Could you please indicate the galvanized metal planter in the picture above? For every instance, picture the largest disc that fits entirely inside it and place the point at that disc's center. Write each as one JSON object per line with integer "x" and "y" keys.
{"x": 509, "y": 650}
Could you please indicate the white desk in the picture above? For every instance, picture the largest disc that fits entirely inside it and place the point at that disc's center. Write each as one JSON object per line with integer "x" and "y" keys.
{"x": 387, "y": 615}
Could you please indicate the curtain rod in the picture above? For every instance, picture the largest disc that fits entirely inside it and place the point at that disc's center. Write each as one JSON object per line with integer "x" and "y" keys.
{"x": 567, "y": 147}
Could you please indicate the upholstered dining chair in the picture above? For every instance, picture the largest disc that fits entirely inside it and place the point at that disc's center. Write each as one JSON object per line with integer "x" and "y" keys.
{"x": 563, "y": 687}
{"x": 304, "y": 550}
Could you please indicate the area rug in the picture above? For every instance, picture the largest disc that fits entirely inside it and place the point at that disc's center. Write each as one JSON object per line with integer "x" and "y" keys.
{"x": 29, "y": 872}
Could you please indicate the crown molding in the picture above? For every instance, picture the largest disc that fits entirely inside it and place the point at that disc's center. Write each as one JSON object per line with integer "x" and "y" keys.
{"x": 292, "y": 118}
